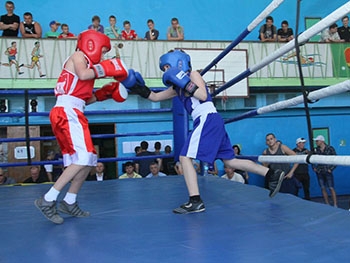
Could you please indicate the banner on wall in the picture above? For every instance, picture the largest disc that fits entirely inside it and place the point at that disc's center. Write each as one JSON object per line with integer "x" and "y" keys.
{"x": 43, "y": 58}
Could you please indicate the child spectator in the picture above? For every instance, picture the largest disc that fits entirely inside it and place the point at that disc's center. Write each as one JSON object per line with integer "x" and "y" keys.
{"x": 65, "y": 32}
{"x": 128, "y": 33}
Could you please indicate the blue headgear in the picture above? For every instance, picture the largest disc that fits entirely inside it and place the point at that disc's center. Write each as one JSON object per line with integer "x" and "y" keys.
{"x": 177, "y": 59}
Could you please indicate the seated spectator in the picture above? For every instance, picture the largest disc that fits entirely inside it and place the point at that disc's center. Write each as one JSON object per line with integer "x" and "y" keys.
{"x": 4, "y": 179}
{"x": 175, "y": 31}
{"x": 268, "y": 32}
{"x": 154, "y": 171}
{"x": 128, "y": 33}
{"x": 99, "y": 174}
{"x": 344, "y": 30}
{"x": 65, "y": 32}
{"x": 284, "y": 34}
{"x": 151, "y": 34}
{"x": 331, "y": 35}
{"x": 129, "y": 171}
{"x": 11, "y": 53}
{"x": 96, "y": 24}
{"x": 231, "y": 175}
{"x": 168, "y": 163}
{"x": 157, "y": 147}
{"x": 30, "y": 28}
{"x": 112, "y": 31}
{"x": 142, "y": 166}
{"x": 137, "y": 150}
{"x": 37, "y": 176}
{"x": 244, "y": 174}
{"x": 53, "y": 33}
{"x": 9, "y": 22}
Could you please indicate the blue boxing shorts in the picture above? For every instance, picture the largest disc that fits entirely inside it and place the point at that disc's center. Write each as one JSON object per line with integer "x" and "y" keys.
{"x": 208, "y": 141}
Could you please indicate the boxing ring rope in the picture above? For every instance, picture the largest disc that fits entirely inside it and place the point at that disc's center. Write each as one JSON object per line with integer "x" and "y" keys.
{"x": 302, "y": 38}
{"x": 94, "y": 136}
{"x": 268, "y": 10}
{"x": 107, "y": 112}
{"x": 306, "y": 159}
{"x": 312, "y": 96}
{"x": 103, "y": 160}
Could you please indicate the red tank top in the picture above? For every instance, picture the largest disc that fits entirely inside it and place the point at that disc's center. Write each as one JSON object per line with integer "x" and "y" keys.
{"x": 68, "y": 83}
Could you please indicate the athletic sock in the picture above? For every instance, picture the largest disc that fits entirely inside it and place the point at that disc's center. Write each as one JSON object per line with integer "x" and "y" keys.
{"x": 51, "y": 195}
{"x": 195, "y": 198}
{"x": 70, "y": 198}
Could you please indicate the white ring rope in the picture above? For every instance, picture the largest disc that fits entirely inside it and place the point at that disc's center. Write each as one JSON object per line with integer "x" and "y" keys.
{"x": 314, "y": 95}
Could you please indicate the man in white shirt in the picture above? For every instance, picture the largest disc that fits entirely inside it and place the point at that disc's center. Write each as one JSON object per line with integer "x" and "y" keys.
{"x": 231, "y": 175}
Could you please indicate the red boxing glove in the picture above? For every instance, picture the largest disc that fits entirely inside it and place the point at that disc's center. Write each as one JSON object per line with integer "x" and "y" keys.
{"x": 120, "y": 94}
{"x": 114, "y": 90}
{"x": 106, "y": 91}
{"x": 111, "y": 68}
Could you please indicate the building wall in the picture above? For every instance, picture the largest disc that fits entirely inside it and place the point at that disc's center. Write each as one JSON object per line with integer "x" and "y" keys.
{"x": 202, "y": 20}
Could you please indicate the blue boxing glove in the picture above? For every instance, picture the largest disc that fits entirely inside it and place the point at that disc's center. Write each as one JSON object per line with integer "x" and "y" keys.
{"x": 135, "y": 83}
{"x": 179, "y": 78}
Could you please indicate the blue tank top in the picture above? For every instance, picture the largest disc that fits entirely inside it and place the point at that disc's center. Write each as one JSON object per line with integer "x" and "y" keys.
{"x": 190, "y": 103}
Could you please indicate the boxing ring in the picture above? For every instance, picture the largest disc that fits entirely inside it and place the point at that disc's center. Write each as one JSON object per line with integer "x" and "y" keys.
{"x": 131, "y": 220}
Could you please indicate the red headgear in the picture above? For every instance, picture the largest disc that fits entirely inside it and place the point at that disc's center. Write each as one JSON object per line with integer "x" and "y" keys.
{"x": 91, "y": 42}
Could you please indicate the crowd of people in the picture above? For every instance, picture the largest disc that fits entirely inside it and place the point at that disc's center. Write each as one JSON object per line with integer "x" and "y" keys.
{"x": 268, "y": 32}
{"x": 11, "y": 26}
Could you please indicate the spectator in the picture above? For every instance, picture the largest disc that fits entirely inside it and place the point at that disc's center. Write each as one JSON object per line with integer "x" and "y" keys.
{"x": 142, "y": 166}
{"x": 175, "y": 31}
{"x": 35, "y": 59}
{"x": 137, "y": 150}
{"x": 331, "y": 35}
{"x": 302, "y": 171}
{"x": 324, "y": 172}
{"x": 4, "y": 179}
{"x": 96, "y": 24}
{"x": 65, "y": 32}
{"x": 99, "y": 174}
{"x": 30, "y": 28}
{"x": 244, "y": 174}
{"x": 129, "y": 171}
{"x": 128, "y": 33}
{"x": 267, "y": 32}
{"x": 290, "y": 184}
{"x": 112, "y": 31}
{"x": 230, "y": 174}
{"x": 344, "y": 30}
{"x": 37, "y": 176}
{"x": 53, "y": 33}
{"x": 154, "y": 171}
{"x": 151, "y": 34}
{"x": 285, "y": 33}
{"x": 9, "y": 23}
{"x": 11, "y": 54}
{"x": 168, "y": 163}
{"x": 157, "y": 147}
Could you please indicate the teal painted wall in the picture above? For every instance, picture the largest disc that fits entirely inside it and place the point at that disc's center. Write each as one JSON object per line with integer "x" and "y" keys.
{"x": 202, "y": 20}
